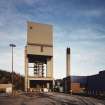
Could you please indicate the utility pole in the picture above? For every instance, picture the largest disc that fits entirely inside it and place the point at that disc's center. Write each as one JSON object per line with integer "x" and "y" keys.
{"x": 12, "y": 46}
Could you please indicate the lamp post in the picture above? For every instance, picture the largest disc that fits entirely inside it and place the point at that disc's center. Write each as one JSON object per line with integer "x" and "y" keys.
{"x": 12, "y": 46}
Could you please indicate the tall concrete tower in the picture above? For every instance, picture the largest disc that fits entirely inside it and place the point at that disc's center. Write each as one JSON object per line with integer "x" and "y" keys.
{"x": 39, "y": 57}
{"x": 67, "y": 62}
{"x": 67, "y": 79}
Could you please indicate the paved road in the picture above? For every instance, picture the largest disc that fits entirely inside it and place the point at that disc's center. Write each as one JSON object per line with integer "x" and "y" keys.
{"x": 50, "y": 99}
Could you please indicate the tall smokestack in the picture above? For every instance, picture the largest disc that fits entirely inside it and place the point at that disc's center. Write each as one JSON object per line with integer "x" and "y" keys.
{"x": 67, "y": 62}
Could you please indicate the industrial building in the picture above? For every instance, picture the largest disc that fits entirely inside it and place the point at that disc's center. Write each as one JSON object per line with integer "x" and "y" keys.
{"x": 39, "y": 60}
{"x": 65, "y": 85}
{"x": 96, "y": 84}
{"x": 39, "y": 57}
{"x": 92, "y": 85}
{"x": 81, "y": 81}
{"x": 5, "y": 88}
{"x": 39, "y": 65}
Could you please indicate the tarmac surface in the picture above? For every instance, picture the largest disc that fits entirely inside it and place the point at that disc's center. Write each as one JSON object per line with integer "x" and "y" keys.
{"x": 49, "y": 99}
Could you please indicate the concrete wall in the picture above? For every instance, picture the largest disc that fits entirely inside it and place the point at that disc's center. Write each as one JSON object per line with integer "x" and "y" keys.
{"x": 36, "y": 50}
{"x": 39, "y": 34}
{"x": 39, "y": 39}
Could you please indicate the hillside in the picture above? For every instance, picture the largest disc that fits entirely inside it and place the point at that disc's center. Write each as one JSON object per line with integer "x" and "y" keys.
{"x": 18, "y": 80}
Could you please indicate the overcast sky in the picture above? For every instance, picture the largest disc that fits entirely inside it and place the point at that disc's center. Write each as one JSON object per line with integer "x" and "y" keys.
{"x": 78, "y": 24}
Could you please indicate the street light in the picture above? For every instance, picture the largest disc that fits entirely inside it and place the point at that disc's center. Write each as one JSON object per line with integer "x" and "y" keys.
{"x": 12, "y": 46}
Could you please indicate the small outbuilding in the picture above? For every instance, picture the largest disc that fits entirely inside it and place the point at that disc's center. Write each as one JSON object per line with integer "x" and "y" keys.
{"x": 5, "y": 88}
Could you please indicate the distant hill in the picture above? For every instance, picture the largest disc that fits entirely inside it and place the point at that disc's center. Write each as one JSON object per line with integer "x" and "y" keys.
{"x": 18, "y": 80}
